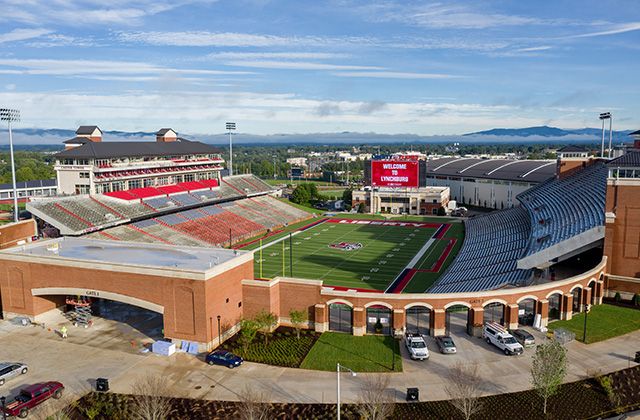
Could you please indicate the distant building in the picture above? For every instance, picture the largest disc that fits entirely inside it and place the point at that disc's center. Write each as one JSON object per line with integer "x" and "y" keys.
{"x": 90, "y": 166}
{"x": 423, "y": 200}
{"x": 38, "y": 188}
{"x": 297, "y": 161}
{"x": 569, "y": 152}
{"x": 492, "y": 183}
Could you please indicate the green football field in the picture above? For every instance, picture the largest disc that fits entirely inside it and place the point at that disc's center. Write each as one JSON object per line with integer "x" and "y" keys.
{"x": 385, "y": 251}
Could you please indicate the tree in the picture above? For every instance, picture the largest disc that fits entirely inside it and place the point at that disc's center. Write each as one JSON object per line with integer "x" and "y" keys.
{"x": 361, "y": 207}
{"x": 151, "y": 399}
{"x": 265, "y": 322}
{"x": 298, "y": 319}
{"x": 463, "y": 388}
{"x": 549, "y": 369}
{"x": 300, "y": 195}
{"x": 347, "y": 196}
{"x": 442, "y": 211}
{"x": 375, "y": 402}
{"x": 253, "y": 405}
{"x": 248, "y": 331}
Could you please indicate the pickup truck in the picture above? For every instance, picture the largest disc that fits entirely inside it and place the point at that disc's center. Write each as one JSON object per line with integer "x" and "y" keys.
{"x": 416, "y": 346}
{"x": 32, "y": 396}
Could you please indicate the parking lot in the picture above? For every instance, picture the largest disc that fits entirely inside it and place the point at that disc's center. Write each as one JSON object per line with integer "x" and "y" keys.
{"x": 111, "y": 349}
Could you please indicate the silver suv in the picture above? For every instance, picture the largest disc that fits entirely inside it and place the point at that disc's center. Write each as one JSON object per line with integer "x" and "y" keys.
{"x": 9, "y": 370}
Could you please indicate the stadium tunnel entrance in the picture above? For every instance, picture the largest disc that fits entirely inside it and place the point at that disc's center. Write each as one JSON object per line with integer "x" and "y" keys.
{"x": 527, "y": 312}
{"x": 340, "y": 317}
{"x": 418, "y": 320}
{"x": 458, "y": 320}
{"x": 103, "y": 322}
{"x": 494, "y": 312}
{"x": 379, "y": 320}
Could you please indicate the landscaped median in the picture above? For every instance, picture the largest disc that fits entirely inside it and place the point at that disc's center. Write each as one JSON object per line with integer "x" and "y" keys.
{"x": 371, "y": 353}
{"x": 603, "y": 322}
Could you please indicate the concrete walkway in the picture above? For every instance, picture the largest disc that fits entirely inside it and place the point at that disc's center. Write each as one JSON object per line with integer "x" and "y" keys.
{"x": 107, "y": 351}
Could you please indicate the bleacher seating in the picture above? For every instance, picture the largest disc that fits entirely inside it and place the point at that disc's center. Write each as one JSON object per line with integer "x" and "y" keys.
{"x": 78, "y": 214}
{"x": 584, "y": 192}
{"x": 489, "y": 254}
{"x": 550, "y": 213}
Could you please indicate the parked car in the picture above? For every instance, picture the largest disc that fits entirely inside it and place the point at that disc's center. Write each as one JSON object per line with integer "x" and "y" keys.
{"x": 224, "y": 358}
{"x": 523, "y": 337}
{"x": 10, "y": 370}
{"x": 416, "y": 346}
{"x": 446, "y": 344}
{"x": 32, "y": 396}
{"x": 498, "y": 335}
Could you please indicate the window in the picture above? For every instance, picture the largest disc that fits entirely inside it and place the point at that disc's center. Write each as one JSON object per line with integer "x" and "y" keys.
{"x": 84, "y": 175}
{"x": 135, "y": 183}
{"x": 188, "y": 177}
{"x": 117, "y": 186}
{"x": 82, "y": 189}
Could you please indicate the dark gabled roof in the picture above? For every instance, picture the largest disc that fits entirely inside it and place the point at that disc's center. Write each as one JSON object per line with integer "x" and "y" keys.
{"x": 164, "y": 131}
{"x": 76, "y": 140}
{"x": 87, "y": 129}
{"x": 114, "y": 149}
{"x": 635, "y": 133}
{"x": 503, "y": 169}
{"x": 572, "y": 149}
{"x": 628, "y": 159}
{"x": 30, "y": 184}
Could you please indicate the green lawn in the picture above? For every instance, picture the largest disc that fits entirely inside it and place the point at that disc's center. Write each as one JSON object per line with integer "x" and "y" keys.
{"x": 385, "y": 252}
{"x": 272, "y": 181}
{"x": 369, "y": 353}
{"x": 603, "y": 322}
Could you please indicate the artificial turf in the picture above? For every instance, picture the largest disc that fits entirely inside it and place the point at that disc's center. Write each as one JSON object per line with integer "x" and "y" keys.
{"x": 385, "y": 252}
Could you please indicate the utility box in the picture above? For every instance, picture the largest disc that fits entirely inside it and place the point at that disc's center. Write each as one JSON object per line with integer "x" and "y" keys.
{"x": 413, "y": 394}
{"x": 102, "y": 384}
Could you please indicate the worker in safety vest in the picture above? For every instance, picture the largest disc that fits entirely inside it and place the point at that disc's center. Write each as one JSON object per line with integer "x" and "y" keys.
{"x": 63, "y": 332}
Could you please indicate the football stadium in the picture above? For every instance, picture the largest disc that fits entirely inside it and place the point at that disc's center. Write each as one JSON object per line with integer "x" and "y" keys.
{"x": 157, "y": 225}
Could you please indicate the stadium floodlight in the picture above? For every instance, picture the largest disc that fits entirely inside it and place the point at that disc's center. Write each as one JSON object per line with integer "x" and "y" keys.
{"x": 231, "y": 126}
{"x": 606, "y": 116}
{"x": 10, "y": 115}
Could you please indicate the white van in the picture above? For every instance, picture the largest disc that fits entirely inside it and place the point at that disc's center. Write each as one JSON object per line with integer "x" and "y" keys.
{"x": 498, "y": 335}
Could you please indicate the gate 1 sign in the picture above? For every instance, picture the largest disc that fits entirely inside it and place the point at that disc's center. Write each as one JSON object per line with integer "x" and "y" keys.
{"x": 390, "y": 173}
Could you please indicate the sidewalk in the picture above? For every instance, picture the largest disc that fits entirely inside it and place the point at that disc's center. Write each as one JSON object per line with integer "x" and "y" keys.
{"x": 77, "y": 362}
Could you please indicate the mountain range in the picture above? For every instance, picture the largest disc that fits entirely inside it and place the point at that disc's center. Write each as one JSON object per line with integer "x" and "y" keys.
{"x": 39, "y": 136}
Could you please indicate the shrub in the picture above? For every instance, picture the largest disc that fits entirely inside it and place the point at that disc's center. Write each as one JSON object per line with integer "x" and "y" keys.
{"x": 636, "y": 300}
{"x": 441, "y": 211}
{"x": 617, "y": 297}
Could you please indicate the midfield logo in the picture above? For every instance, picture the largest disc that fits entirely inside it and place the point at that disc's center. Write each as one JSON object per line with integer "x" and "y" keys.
{"x": 346, "y": 246}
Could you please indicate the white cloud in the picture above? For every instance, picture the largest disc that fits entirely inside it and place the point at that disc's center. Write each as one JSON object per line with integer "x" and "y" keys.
{"x": 613, "y": 30}
{"x": 534, "y": 49}
{"x": 23, "y": 34}
{"x": 296, "y": 65}
{"x": 291, "y": 55}
{"x": 10, "y": 86}
{"x": 96, "y": 67}
{"x": 87, "y": 12}
{"x": 395, "y": 75}
{"x": 205, "y": 111}
{"x": 60, "y": 40}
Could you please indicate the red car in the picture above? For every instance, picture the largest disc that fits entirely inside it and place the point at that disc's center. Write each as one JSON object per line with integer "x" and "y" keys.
{"x": 32, "y": 396}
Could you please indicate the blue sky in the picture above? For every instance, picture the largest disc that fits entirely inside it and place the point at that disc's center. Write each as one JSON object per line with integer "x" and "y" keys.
{"x": 301, "y": 66}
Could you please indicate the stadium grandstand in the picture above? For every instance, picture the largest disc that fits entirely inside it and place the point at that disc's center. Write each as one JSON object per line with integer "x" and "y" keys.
{"x": 492, "y": 183}
{"x": 167, "y": 191}
{"x": 507, "y": 248}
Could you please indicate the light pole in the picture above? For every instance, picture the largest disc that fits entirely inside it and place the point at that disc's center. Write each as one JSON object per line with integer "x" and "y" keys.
{"x": 605, "y": 116}
{"x": 274, "y": 166}
{"x": 10, "y": 115}
{"x": 3, "y": 401}
{"x": 231, "y": 126}
{"x": 353, "y": 373}
{"x": 587, "y": 308}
